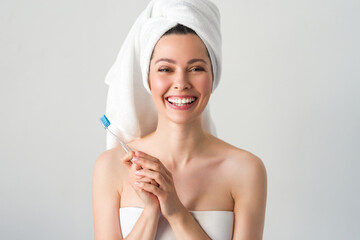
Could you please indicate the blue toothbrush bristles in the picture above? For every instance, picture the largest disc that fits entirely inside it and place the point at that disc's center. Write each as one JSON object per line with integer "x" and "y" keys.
{"x": 105, "y": 121}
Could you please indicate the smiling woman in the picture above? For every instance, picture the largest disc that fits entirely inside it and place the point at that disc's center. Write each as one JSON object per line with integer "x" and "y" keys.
{"x": 180, "y": 71}
{"x": 182, "y": 181}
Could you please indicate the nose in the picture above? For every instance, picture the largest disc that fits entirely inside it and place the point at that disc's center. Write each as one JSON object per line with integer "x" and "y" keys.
{"x": 181, "y": 82}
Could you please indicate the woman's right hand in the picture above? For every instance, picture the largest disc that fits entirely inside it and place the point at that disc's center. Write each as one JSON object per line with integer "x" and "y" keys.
{"x": 150, "y": 200}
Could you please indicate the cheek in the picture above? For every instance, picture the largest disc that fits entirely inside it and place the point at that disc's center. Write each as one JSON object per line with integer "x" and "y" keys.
{"x": 159, "y": 85}
{"x": 204, "y": 85}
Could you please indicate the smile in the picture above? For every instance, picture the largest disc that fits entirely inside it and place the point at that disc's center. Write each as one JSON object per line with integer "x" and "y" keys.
{"x": 181, "y": 103}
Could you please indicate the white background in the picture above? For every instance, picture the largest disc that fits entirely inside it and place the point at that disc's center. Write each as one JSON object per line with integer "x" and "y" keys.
{"x": 289, "y": 93}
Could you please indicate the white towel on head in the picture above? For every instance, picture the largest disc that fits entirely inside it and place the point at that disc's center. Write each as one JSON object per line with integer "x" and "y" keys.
{"x": 130, "y": 107}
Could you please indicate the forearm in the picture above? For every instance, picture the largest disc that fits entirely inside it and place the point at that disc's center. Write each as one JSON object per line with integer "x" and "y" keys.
{"x": 146, "y": 226}
{"x": 185, "y": 226}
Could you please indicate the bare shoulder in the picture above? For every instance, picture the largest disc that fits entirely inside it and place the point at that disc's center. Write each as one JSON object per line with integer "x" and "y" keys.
{"x": 246, "y": 163}
{"x": 237, "y": 156}
{"x": 110, "y": 159}
{"x": 108, "y": 167}
{"x": 242, "y": 166}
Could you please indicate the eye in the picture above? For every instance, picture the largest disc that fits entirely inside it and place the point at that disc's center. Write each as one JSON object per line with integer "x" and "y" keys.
{"x": 197, "y": 69}
{"x": 164, "y": 69}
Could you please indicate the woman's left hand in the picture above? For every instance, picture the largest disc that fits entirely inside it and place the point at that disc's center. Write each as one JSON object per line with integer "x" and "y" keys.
{"x": 170, "y": 204}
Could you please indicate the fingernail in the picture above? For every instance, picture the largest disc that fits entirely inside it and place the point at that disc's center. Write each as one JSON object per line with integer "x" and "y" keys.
{"x": 136, "y": 183}
{"x": 135, "y": 159}
{"x": 138, "y": 172}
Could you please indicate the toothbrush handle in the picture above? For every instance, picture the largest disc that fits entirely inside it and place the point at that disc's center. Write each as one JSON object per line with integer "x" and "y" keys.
{"x": 124, "y": 146}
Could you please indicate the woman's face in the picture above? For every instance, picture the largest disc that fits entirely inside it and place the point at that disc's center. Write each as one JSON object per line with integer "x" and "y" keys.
{"x": 180, "y": 72}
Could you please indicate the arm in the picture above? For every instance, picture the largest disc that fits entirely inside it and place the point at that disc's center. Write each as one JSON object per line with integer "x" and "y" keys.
{"x": 107, "y": 187}
{"x": 146, "y": 225}
{"x": 249, "y": 193}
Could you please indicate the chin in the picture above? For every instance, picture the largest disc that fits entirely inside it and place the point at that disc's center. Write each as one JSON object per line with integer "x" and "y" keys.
{"x": 184, "y": 119}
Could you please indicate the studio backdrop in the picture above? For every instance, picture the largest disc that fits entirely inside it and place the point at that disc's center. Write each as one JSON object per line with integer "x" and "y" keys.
{"x": 289, "y": 93}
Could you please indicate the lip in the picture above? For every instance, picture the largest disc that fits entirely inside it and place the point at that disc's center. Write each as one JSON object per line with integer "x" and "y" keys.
{"x": 185, "y": 107}
{"x": 181, "y": 96}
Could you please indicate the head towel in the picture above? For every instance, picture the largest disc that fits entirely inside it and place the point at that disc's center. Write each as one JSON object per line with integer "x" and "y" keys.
{"x": 130, "y": 107}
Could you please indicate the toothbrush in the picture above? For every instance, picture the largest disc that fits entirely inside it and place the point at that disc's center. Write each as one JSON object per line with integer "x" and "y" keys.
{"x": 106, "y": 123}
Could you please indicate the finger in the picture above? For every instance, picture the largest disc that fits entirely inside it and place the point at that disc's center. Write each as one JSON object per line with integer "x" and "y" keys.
{"x": 143, "y": 180}
{"x": 148, "y": 187}
{"x": 132, "y": 169}
{"x": 152, "y": 158}
{"x": 158, "y": 177}
{"x": 136, "y": 186}
{"x": 143, "y": 154}
{"x": 127, "y": 159}
{"x": 133, "y": 177}
{"x": 135, "y": 167}
{"x": 154, "y": 166}
{"x": 147, "y": 163}
{"x": 146, "y": 180}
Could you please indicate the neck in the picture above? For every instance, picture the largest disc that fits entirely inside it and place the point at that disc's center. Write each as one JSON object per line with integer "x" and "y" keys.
{"x": 180, "y": 143}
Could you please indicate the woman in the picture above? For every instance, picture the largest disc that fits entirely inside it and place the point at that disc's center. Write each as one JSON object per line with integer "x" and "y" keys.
{"x": 182, "y": 182}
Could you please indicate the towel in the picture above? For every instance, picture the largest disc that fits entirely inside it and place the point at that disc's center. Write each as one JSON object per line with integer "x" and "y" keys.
{"x": 130, "y": 108}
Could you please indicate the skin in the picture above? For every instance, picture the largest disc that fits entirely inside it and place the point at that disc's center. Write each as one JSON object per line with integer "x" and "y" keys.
{"x": 180, "y": 166}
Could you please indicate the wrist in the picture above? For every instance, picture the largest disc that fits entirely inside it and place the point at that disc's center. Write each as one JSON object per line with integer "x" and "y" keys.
{"x": 178, "y": 217}
{"x": 152, "y": 212}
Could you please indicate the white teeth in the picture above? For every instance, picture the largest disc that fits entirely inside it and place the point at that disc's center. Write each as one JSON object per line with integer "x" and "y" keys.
{"x": 181, "y": 102}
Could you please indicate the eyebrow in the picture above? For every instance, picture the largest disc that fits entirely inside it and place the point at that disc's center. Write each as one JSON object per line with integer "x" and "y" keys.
{"x": 173, "y": 61}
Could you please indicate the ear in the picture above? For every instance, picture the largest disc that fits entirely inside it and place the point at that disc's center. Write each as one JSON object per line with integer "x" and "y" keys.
{"x": 149, "y": 83}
